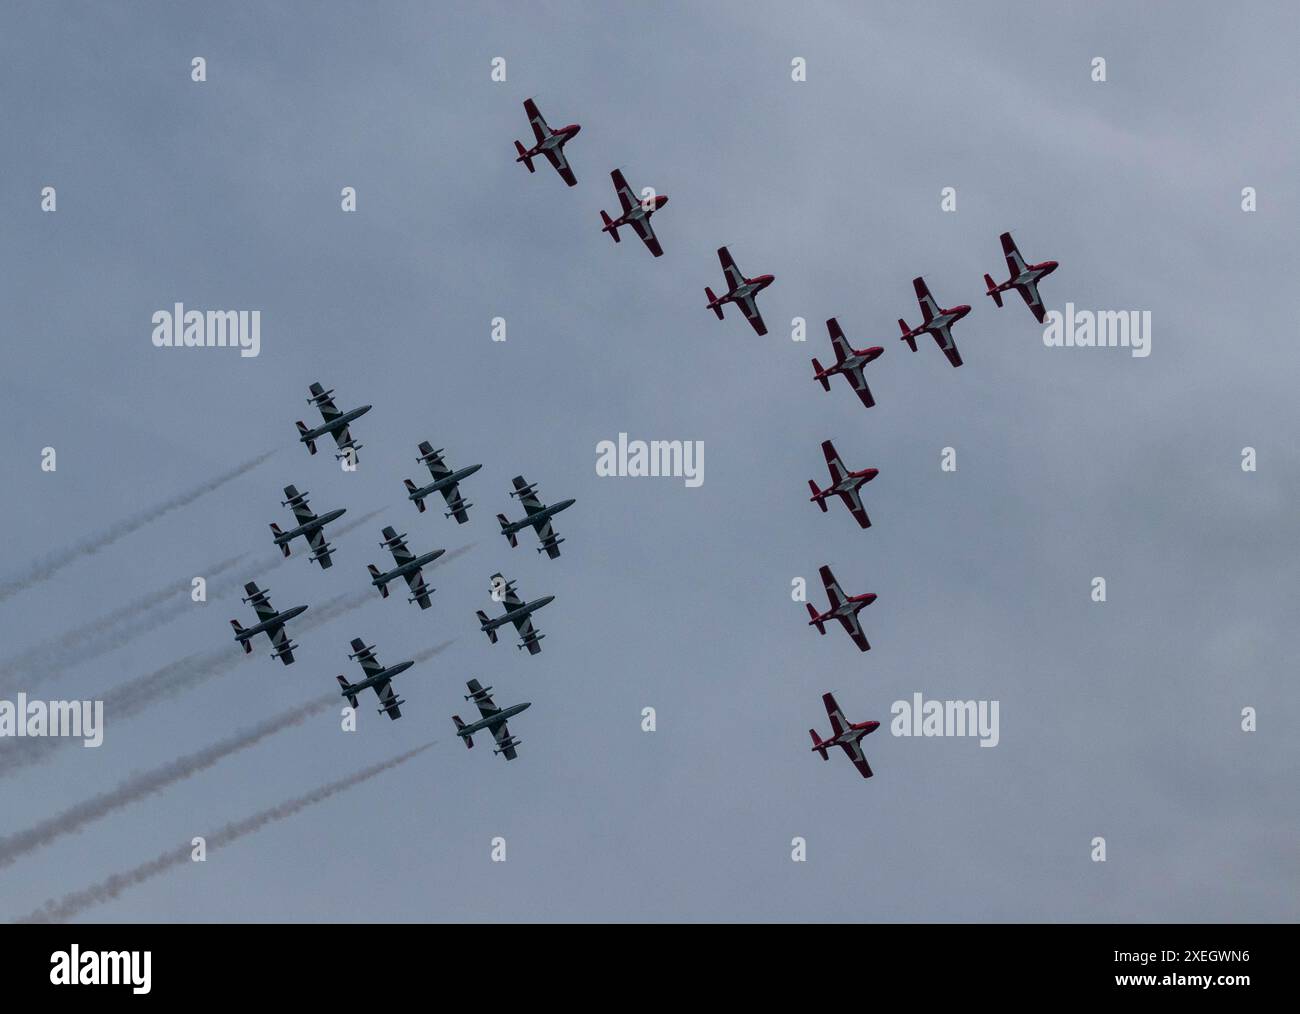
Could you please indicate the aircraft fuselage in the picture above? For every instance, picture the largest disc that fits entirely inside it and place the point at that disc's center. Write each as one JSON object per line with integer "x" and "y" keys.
{"x": 335, "y": 424}
{"x": 445, "y": 482}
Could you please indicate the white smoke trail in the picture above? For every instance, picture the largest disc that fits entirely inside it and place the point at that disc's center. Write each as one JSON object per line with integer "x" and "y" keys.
{"x": 72, "y": 904}
{"x": 137, "y": 787}
{"x": 46, "y": 567}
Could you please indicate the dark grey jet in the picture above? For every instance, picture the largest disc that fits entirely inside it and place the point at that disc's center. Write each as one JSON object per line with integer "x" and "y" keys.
{"x": 270, "y": 622}
{"x": 376, "y": 676}
{"x": 445, "y": 481}
{"x": 493, "y": 720}
{"x": 335, "y": 423}
{"x": 310, "y": 526}
{"x": 538, "y": 517}
{"x": 408, "y": 566}
{"x": 517, "y": 612}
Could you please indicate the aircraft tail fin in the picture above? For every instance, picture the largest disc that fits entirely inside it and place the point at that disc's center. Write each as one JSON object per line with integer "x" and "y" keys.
{"x": 352, "y": 698}
{"x": 820, "y": 375}
{"x": 993, "y": 290}
{"x": 374, "y": 572}
{"x": 610, "y": 227}
{"x": 524, "y": 157}
{"x": 818, "y": 745}
{"x": 818, "y": 496}
{"x": 816, "y": 621}
{"x": 490, "y": 631}
{"x": 239, "y": 630}
{"x": 302, "y": 435}
{"x": 469, "y": 740}
{"x": 410, "y": 488}
{"x": 907, "y": 334}
{"x": 714, "y": 305}
{"x": 505, "y": 530}
{"x": 277, "y": 532}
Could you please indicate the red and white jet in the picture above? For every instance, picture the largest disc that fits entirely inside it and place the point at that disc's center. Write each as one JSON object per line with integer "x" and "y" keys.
{"x": 1024, "y": 278}
{"x": 844, "y": 608}
{"x": 848, "y": 362}
{"x": 636, "y": 214}
{"x": 844, "y": 484}
{"x": 549, "y": 143}
{"x": 844, "y": 734}
{"x": 741, "y": 291}
{"x": 938, "y": 322}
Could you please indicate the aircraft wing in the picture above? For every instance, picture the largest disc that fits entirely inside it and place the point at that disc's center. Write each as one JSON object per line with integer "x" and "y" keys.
{"x": 838, "y": 342}
{"x": 259, "y": 601}
{"x": 501, "y": 734}
{"x": 926, "y": 301}
{"x": 343, "y": 437}
{"x": 437, "y": 467}
{"x": 397, "y": 546}
{"x": 540, "y": 130}
{"x": 369, "y": 664}
{"x": 528, "y": 495}
{"x": 302, "y": 513}
{"x": 324, "y": 402}
{"x": 557, "y": 159}
{"x": 833, "y": 463}
{"x": 859, "y": 384}
{"x": 456, "y": 503}
{"x": 943, "y": 338}
{"x": 527, "y": 634}
{"x": 280, "y": 642}
{"x": 643, "y": 229}
{"x": 838, "y": 722}
{"x": 853, "y": 500}
{"x": 511, "y": 598}
{"x": 750, "y": 309}
{"x": 625, "y": 195}
{"x": 833, "y": 591}
{"x": 420, "y": 591}
{"x": 854, "y": 628}
{"x": 484, "y": 701}
{"x": 388, "y": 699}
{"x": 1015, "y": 263}
{"x": 320, "y": 547}
{"x": 1029, "y": 292}
{"x": 545, "y": 533}
{"x": 729, "y": 270}
{"x": 854, "y": 750}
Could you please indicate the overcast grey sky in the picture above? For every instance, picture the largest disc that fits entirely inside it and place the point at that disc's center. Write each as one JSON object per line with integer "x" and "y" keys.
{"x": 1119, "y": 720}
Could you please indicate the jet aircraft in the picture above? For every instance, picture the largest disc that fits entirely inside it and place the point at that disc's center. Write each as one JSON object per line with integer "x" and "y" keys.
{"x": 844, "y": 608}
{"x": 844, "y": 484}
{"x": 269, "y": 622}
{"x": 1024, "y": 278}
{"x": 844, "y": 734}
{"x": 636, "y": 214}
{"x": 538, "y": 516}
{"x": 938, "y": 322}
{"x": 848, "y": 362}
{"x": 408, "y": 567}
{"x": 549, "y": 143}
{"x": 517, "y": 612}
{"x": 493, "y": 720}
{"x": 335, "y": 423}
{"x": 445, "y": 481}
{"x": 310, "y": 526}
{"x": 377, "y": 676}
{"x": 740, "y": 290}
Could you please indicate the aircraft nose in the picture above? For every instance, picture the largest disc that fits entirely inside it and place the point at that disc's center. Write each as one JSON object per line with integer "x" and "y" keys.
{"x": 964, "y": 309}
{"x": 661, "y": 200}
{"x": 573, "y": 129}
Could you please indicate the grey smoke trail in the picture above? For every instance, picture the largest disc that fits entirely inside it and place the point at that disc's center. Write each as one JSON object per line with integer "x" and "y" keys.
{"x": 56, "y": 910}
{"x": 136, "y": 695}
{"x": 137, "y": 787}
{"x": 50, "y": 564}
{"x": 437, "y": 649}
{"x": 94, "y": 638}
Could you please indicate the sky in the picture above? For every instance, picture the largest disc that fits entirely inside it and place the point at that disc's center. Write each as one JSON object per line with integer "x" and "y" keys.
{"x": 1119, "y": 720}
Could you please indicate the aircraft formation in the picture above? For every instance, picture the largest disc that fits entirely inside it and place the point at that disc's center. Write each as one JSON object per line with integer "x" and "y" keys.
{"x": 742, "y": 291}
{"x": 406, "y": 565}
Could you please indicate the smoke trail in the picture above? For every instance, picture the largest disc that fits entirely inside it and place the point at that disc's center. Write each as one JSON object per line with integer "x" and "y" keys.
{"x": 124, "y": 625}
{"x": 137, "y": 787}
{"x": 87, "y": 641}
{"x": 106, "y": 890}
{"x": 437, "y": 649}
{"x": 47, "y": 566}
{"x": 136, "y": 695}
